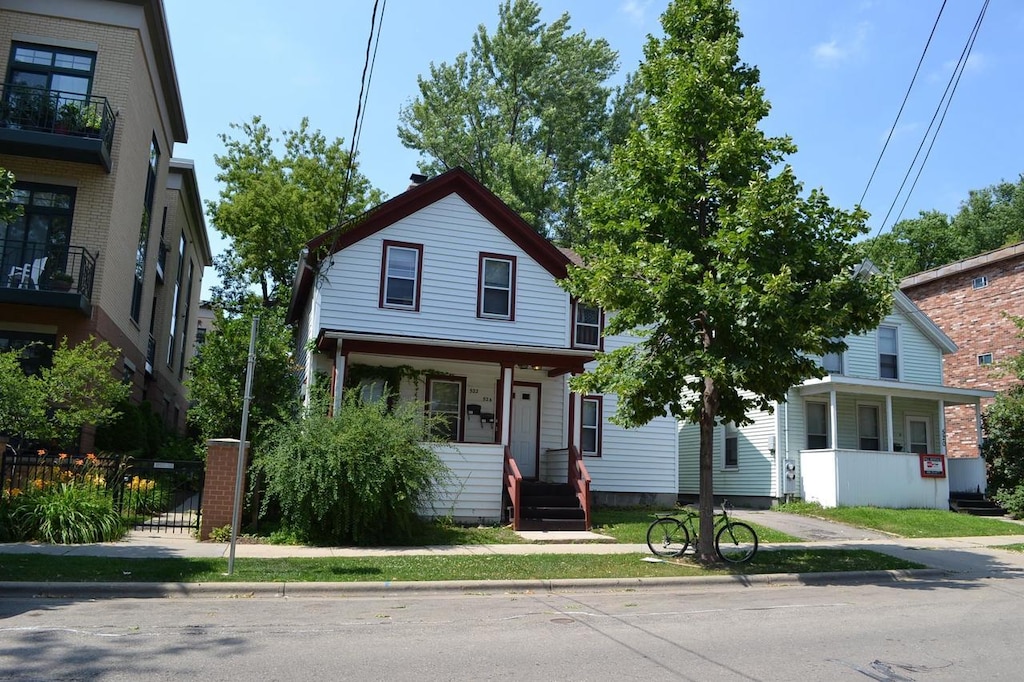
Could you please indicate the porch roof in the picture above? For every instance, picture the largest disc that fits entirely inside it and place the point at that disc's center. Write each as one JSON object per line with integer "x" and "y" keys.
{"x": 879, "y": 387}
{"x": 555, "y": 360}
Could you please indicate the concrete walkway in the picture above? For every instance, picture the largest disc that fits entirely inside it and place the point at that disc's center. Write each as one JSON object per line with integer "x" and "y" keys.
{"x": 947, "y": 558}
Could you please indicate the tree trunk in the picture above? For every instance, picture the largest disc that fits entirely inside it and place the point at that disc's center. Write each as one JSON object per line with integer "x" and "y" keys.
{"x": 706, "y": 505}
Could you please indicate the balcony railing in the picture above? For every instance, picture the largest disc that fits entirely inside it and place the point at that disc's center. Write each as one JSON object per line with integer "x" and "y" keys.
{"x": 41, "y": 274}
{"x": 150, "y": 355}
{"x": 56, "y": 125}
{"x": 161, "y": 260}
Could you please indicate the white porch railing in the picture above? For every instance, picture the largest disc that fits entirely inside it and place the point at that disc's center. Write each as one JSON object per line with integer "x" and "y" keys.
{"x": 845, "y": 478}
{"x": 473, "y": 493}
{"x": 967, "y": 474}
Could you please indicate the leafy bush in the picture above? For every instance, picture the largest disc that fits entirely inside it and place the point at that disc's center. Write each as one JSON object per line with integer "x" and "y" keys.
{"x": 357, "y": 478}
{"x": 1004, "y": 442}
{"x": 1012, "y": 501}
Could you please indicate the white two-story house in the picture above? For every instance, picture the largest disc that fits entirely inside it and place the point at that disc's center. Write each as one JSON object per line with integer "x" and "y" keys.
{"x": 871, "y": 432}
{"x": 444, "y": 294}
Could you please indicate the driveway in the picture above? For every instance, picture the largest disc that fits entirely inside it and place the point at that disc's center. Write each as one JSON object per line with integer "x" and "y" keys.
{"x": 807, "y": 528}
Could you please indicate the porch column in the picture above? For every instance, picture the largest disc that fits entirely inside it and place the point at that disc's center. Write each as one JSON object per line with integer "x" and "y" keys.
{"x": 942, "y": 427}
{"x": 833, "y": 419}
{"x": 888, "y": 422}
{"x": 977, "y": 422}
{"x": 506, "y": 405}
{"x": 340, "y": 360}
{"x": 575, "y": 410}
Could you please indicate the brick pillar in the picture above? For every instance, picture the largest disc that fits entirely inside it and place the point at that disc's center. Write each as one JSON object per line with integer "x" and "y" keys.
{"x": 219, "y": 489}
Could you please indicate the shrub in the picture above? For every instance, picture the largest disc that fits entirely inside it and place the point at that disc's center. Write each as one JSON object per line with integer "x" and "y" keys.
{"x": 1004, "y": 441}
{"x": 358, "y": 478}
{"x": 1012, "y": 501}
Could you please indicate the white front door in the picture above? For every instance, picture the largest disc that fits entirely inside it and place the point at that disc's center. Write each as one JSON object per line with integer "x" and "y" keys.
{"x": 525, "y": 417}
{"x": 919, "y": 432}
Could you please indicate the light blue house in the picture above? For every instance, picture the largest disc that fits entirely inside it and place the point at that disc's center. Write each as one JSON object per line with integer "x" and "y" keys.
{"x": 854, "y": 437}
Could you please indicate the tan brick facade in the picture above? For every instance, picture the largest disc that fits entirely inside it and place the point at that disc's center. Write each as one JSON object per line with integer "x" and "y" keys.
{"x": 973, "y": 312}
{"x": 133, "y": 70}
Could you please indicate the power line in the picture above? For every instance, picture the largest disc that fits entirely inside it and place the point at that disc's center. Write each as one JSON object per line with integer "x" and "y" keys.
{"x": 951, "y": 84}
{"x": 903, "y": 104}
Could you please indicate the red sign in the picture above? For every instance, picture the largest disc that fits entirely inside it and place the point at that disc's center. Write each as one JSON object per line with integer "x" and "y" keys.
{"x": 933, "y": 466}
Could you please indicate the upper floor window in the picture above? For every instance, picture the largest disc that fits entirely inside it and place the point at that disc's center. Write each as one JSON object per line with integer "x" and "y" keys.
{"x": 832, "y": 363}
{"x": 590, "y": 426}
{"x": 985, "y": 359}
{"x": 68, "y": 72}
{"x": 888, "y": 352}
{"x": 401, "y": 271}
{"x": 35, "y": 246}
{"x": 496, "y": 294}
{"x": 143, "y": 245}
{"x": 732, "y": 446}
{"x": 979, "y": 282}
{"x": 586, "y": 326}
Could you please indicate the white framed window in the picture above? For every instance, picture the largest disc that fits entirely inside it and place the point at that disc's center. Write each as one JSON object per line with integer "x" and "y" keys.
{"x": 985, "y": 359}
{"x": 590, "y": 426}
{"x": 401, "y": 268}
{"x": 587, "y": 326}
{"x": 496, "y": 294}
{"x": 832, "y": 363}
{"x": 372, "y": 390}
{"x": 888, "y": 352}
{"x": 817, "y": 425}
{"x": 979, "y": 282}
{"x": 731, "y": 451}
{"x": 869, "y": 427}
{"x": 446, "y": 398}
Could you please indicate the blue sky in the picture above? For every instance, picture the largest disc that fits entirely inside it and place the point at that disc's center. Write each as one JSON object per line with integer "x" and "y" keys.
{"x": 835, "y": 72}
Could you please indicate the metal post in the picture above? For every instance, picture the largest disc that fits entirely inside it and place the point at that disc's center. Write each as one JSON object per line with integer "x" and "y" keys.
{"x": 247, "y": 396}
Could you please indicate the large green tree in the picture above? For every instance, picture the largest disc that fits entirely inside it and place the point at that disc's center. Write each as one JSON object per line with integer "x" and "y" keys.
{"x": 705, "y": 248}
{"x": 526, "y": 111}
{"x": 276, "y": 195}
{"x": 988, "y": 219}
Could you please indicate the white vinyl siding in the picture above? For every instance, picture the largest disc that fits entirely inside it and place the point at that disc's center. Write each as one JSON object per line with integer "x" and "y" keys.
{"x": 920, "y": 360}
{"x": 754, "y": 475}
{"x": 450, "y": 278}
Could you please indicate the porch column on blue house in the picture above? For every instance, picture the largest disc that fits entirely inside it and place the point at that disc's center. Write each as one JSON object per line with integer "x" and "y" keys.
{"x": 506, "y": 404}
{"x": 942, "y": 426}
{"x": 340, "y": 360}
{"x": 888, "y": 422}
{"x": 833, "y": 419}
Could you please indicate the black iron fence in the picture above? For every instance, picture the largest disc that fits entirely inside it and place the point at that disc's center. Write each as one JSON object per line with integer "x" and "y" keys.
{"x": 36, "y": 265}
{"x": 153, "y": 495}
{"x": 55, "y": 111}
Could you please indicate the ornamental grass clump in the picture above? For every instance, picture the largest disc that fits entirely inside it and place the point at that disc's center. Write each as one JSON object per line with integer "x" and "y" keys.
{"x": 67, "y": 503}
{"x": 356, "y": 478}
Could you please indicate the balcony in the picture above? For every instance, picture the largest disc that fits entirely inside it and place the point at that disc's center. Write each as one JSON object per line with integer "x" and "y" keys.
{"x": 46, "y": 276}
{"x": 161, "y": 261}
{"x": 51, "y": 124}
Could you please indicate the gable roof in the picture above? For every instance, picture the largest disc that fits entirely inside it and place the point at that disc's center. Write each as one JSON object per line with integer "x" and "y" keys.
{"x": 456, "y": 181}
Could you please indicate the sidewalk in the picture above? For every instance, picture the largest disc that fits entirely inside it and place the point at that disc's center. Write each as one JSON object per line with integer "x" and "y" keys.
{"x": 947, "y": 558}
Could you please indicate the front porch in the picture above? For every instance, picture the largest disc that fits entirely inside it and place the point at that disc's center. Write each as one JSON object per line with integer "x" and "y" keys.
{"x": 507, "y": 409}
{"x": 864, "y": 441}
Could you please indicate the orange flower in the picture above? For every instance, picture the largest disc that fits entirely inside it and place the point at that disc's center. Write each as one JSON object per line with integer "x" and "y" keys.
{"x": 40, "y": 452}
{"x": 91, "y": 457}
{"x": 79, "y": 462}
{"x": 62, "y": 455}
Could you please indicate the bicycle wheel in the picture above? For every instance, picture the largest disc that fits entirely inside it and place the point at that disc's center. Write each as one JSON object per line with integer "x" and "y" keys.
{"x": 668, "y": 537}
{"x": 736, "y": 543}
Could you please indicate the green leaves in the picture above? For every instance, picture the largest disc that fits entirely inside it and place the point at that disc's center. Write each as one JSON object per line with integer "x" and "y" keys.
{"x": 526, "y": 112}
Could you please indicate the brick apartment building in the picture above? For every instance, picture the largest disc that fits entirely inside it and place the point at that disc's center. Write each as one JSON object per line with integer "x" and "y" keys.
{"x": 969, "y": 300}
{"x": 112, "y": 241}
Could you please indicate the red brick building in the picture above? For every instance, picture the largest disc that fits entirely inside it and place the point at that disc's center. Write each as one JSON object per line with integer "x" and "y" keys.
{"x": 970, "y": 300}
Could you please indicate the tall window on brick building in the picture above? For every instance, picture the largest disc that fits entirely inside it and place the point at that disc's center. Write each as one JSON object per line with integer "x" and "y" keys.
{"x": 147, "y": 213}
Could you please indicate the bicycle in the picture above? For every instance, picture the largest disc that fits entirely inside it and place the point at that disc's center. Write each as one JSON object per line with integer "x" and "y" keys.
{"x": 669, "y": 536}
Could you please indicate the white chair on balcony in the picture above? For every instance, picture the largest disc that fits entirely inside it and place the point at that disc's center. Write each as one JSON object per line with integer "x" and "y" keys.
{"x": 27, "y": 276}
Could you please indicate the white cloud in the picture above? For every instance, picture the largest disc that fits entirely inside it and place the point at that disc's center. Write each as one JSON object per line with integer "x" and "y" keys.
{"x": 842, "y": 48}
{"x": 976, "y": 63}
{"x": 636, "y": 10}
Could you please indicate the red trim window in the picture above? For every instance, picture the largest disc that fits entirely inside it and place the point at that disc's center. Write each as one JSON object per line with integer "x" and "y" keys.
{"x": 590, "y": 425}
{"x": 588, "y": 323}
{"x": 401, "y": 270}
{"x": 496, "y": 291}
{"x": 446, "y": 397}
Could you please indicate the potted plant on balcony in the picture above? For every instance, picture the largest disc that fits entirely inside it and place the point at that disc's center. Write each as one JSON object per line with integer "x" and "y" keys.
{"x": 78, "y": 118}
{"x": 61, "y": 281}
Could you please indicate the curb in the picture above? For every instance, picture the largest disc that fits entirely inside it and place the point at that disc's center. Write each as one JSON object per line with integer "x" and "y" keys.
{"x": 229, "y": 590}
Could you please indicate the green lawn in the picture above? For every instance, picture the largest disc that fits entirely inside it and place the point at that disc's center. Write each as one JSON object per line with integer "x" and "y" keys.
{"x": 419, "y": 568}
{"x": 909, "y": 523}
{"x": 630, "y": 526}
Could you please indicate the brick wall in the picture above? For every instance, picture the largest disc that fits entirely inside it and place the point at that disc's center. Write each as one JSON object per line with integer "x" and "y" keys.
{"x": 219, "y": 490}
{"x": 976, "y": 321}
